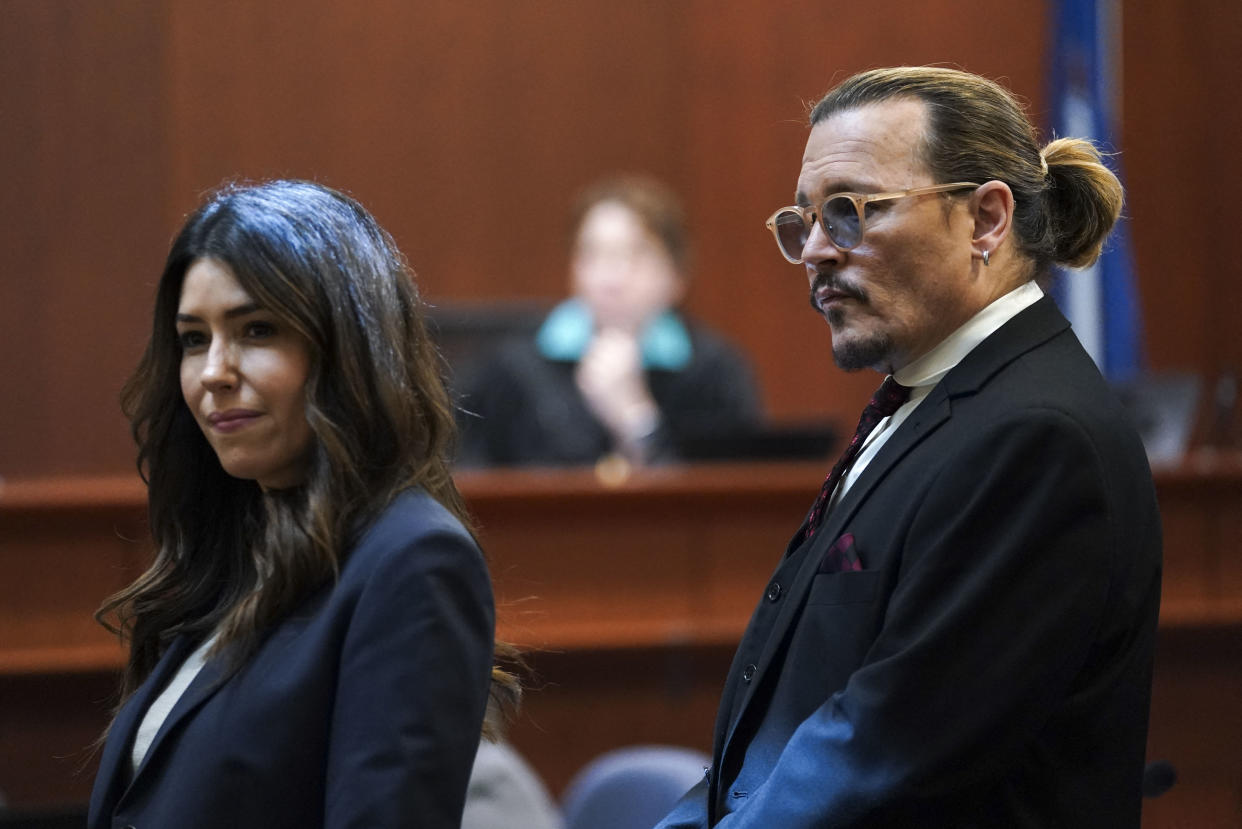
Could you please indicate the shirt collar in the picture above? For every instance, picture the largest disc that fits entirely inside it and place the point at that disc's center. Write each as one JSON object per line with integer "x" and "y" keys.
{"x": 927, "y": 370}
{"x": 568, "y": 330}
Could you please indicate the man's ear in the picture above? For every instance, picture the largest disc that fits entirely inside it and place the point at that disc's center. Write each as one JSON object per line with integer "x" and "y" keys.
{"x": 992, "y": 208}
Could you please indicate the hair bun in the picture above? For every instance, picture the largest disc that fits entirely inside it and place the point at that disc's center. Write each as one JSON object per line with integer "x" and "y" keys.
{"x": 1084, "y": 199}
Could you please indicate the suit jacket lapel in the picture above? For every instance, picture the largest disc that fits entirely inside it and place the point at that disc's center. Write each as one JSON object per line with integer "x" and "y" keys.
{"x": 116, "y": 758}
{"x": 925, "y": 419}
{"x": 205, "y": 683}
{"x": 1028, "y": 329}
{"x": 114, "y": 762}
{"x": 1031, "y": 327}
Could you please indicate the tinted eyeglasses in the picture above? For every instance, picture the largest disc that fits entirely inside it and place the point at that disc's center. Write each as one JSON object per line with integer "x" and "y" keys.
{"x": 843, "y": 216}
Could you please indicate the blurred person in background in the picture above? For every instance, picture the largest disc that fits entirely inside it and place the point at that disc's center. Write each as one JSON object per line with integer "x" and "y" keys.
{"x": 617, "y": 369}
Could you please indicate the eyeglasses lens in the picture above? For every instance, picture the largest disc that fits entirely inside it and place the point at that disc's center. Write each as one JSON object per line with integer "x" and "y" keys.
{"x": 842, "y": 222}
{"x": 792, "y": 234}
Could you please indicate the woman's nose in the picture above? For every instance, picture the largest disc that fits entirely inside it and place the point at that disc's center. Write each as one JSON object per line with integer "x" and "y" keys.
{"x": 220, "y": 368}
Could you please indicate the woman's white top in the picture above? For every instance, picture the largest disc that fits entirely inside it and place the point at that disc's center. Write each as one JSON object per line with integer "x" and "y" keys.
{"x": 163, "y": 704}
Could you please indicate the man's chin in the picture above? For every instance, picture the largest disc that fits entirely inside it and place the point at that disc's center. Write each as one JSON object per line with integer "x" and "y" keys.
{"x": 856, "y": 354}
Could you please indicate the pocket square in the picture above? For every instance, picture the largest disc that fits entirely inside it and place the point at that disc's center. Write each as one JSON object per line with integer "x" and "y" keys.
{"x": 841, "y": 556}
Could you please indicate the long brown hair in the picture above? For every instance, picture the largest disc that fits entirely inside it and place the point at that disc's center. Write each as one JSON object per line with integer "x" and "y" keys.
{"x": 229, "y": 556}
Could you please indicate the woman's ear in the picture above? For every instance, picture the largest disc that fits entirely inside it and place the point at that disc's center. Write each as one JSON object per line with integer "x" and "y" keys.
{"x": 992, "y": 209}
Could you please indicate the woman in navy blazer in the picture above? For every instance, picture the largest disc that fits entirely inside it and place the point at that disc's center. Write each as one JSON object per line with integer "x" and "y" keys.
{"x": 312, "y": 646}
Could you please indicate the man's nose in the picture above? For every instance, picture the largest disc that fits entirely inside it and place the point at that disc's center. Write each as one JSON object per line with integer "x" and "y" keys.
{"x": 819, "y": 250}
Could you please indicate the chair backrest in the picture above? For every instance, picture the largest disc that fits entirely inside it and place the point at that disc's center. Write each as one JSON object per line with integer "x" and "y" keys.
{"x": 631, "y": 788}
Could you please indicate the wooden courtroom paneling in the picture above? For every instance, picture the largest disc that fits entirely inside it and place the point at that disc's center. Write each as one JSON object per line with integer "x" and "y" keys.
{"x": 673, "y": 558}
{"x": 48, "y": 726}
{"x": 465, "y": 127}
{"x": 468, "y": 127}
{"x": 81, "y": 230}
{"x": 584, "y": 703}
{"x": 1196, "y": 724}
{"x": 1181, "y": 157}
{"x": 1201, "y": 512}
{"x": 628, "y": 599}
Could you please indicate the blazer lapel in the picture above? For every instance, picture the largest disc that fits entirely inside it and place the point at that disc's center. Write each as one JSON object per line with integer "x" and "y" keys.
{"x": 206, "y": 683}
{"x": 115, "y": 761}
{"x": 1031, "y": 327}
{"x": 925, "y": 419}
{"x": 113, "y": 776}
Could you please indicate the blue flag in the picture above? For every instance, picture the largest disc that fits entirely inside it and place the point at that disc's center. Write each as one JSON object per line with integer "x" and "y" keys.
{"x": 1100, "y": 301}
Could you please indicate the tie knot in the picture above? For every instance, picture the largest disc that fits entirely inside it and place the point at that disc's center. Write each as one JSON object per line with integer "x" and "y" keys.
{"x": 889, "y": 397}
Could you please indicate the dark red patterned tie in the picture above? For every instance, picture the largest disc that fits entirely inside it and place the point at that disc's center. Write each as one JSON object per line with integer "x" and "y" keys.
{"x": 887, "y": 399}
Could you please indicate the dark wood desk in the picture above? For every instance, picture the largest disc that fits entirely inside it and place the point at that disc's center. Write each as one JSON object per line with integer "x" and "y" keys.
{"x": 630, "y": 596}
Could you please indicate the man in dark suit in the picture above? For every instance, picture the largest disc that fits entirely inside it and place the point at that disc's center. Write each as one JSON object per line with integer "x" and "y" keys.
{"x": 961, "y": 632}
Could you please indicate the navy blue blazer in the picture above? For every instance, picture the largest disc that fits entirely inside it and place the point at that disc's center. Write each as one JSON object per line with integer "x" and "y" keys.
{"x": 991, "y": 663}
{"x": 361, "y": 709}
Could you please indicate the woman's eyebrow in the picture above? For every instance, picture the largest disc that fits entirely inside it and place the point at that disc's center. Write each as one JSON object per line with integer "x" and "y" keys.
{"x": 239, "y": 311}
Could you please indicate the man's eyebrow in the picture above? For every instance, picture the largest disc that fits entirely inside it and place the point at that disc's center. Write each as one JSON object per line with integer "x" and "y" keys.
{"x": 853, "y": 186}
{"x": 239, "y": 311}
{"x": 840, "y": 186}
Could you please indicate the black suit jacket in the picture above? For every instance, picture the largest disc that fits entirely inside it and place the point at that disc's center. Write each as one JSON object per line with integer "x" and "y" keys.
{"x": 991, "y": 664}
{"x": 361, "y": 709}
{"x": 525, "y": 409}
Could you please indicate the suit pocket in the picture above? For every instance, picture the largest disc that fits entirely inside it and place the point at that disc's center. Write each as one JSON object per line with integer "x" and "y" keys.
{"x": 850, "y": 587}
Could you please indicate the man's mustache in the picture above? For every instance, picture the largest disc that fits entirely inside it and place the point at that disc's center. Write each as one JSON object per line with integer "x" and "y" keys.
{"x": 833, "y": 283}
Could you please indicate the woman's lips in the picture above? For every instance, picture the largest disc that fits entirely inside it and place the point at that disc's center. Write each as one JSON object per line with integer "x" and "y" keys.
{"x": 232, "y": 420}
